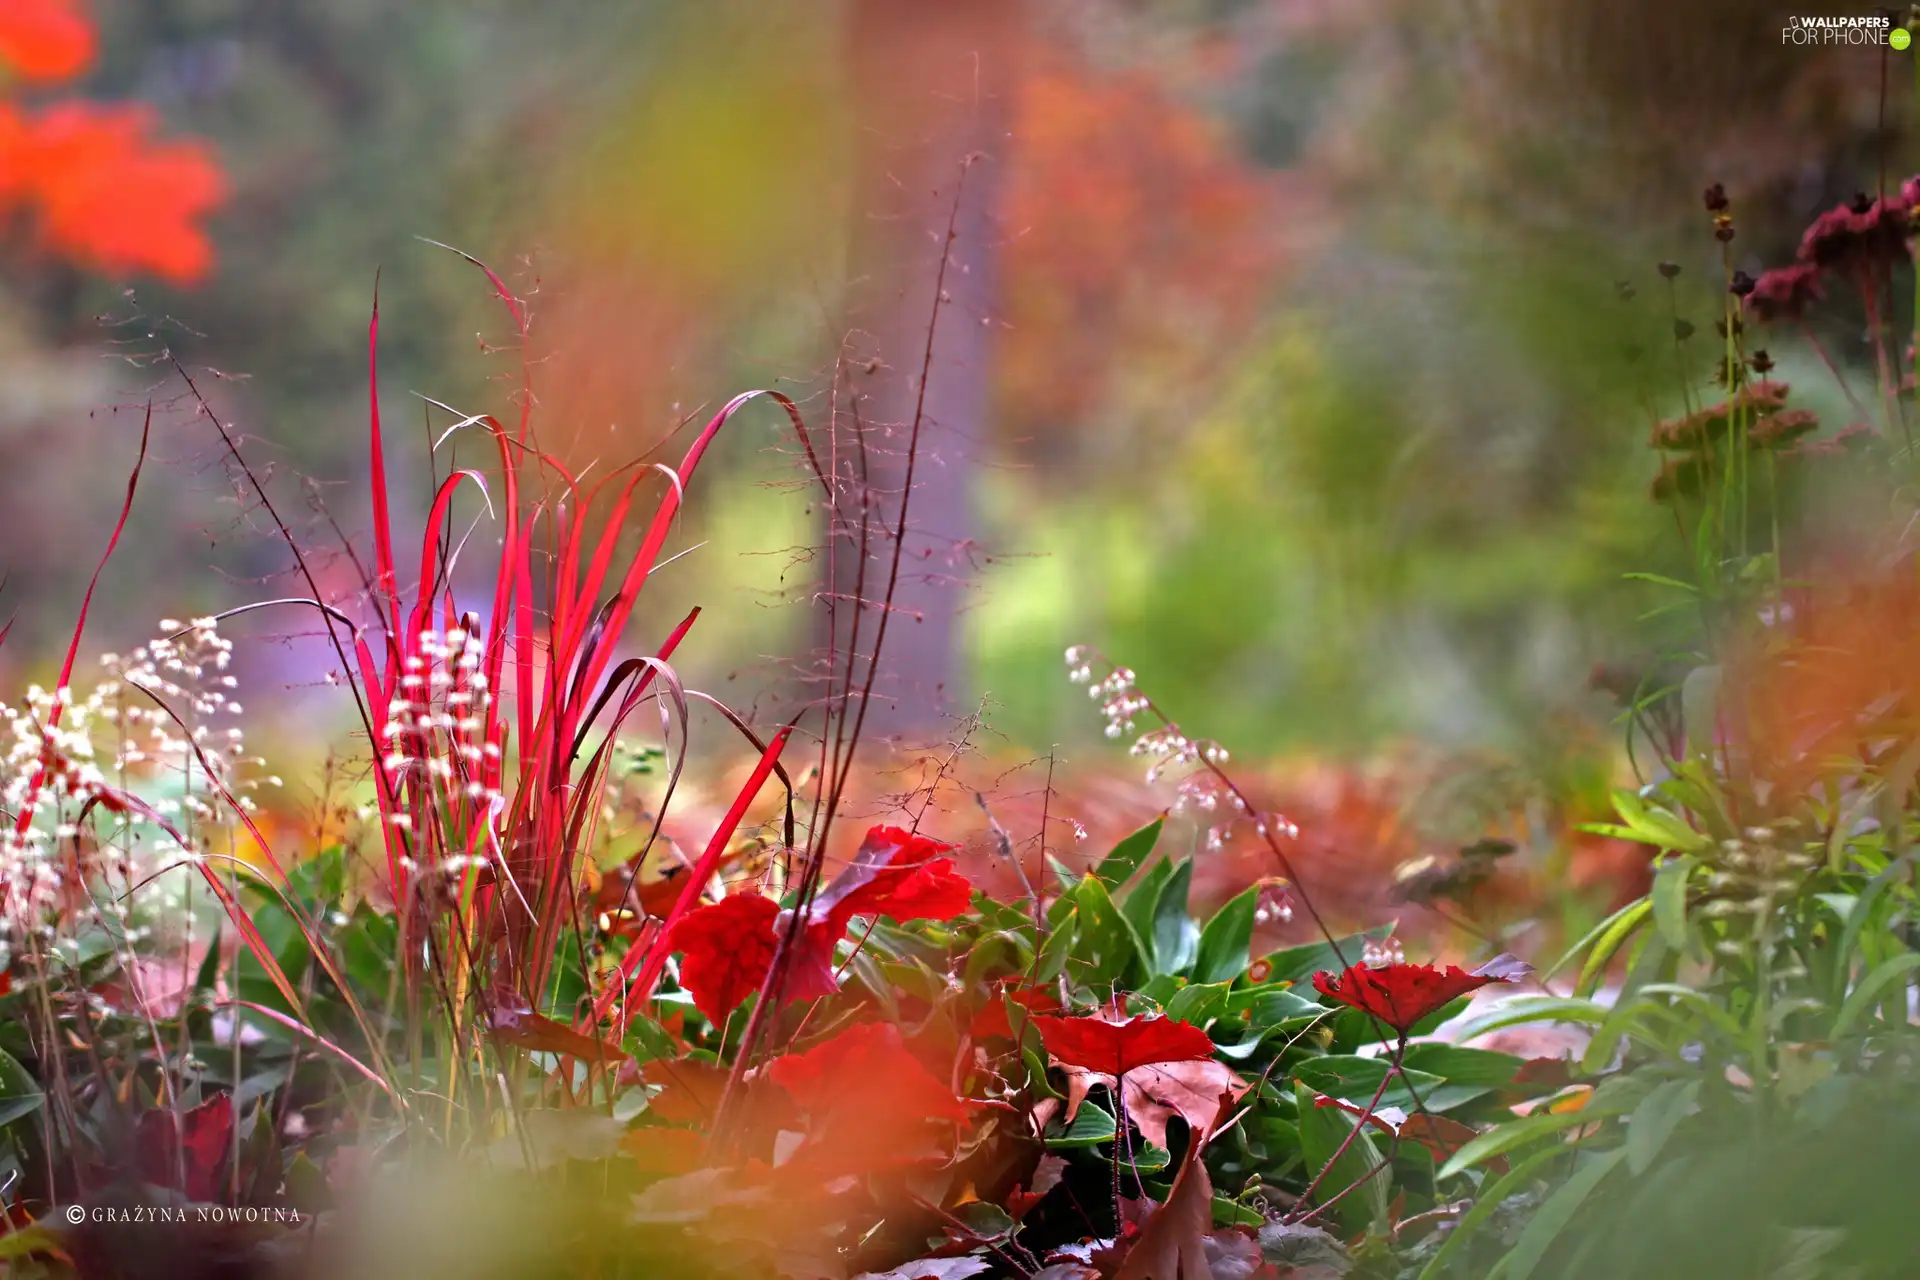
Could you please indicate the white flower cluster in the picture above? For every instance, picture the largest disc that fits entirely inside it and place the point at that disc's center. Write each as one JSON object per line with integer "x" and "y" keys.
{"x": 1376, "y": 954}
{"x": 1194, "y": 760}
{"x": 436, "y": 729}
{"x": 155, "y": 737}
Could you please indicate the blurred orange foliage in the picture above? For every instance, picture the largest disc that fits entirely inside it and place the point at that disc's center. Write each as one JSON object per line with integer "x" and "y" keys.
{"x": 96, "y": 187}
{"x": 1134, "y": 231}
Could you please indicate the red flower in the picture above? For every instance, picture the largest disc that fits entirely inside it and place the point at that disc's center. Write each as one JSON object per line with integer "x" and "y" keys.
{"x": 729, "y": 945}
{"x": 1116, "y": 1047}
{"x": 105, "y": 195}
{"x": 1400, "y": 995}
{"x": 1785, "y": 292}
{"x": 45, "y": 40}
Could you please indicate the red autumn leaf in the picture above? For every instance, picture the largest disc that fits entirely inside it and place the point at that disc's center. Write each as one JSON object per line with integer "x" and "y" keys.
{"x": 1400, "y": 995}
{"x": 186, "y": 1152}
{"x": 1194, "y": 1091}
{"x": 45, "y": 40}
{"x": 1117, "y": 1047}
{"x": 895, "y": 873}
{"x": 525, "y": 1029}
{"x": 994, "y": 1019}
{"x": 866, "y": 1096}
{"x": 729, "y": 948}
{"x": 1172, "y": 1244}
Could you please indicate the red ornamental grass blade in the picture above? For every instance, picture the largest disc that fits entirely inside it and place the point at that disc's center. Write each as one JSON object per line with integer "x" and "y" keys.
{"x": 25, "y": 817}
{"x": 651, "y": 959}
{"x": 1400, "y": 995}
{"x": 1116, "y": 1048}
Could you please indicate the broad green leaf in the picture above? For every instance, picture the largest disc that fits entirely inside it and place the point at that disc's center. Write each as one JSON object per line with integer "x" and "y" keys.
{"x": 1653, "y": 1121}
{"x": 1222, "y": 954}
{"x": 1139, "y": 901}
{"x": 1198, "y": 1003}
{"x": 1298, "y": 964}
{"x": 20, "y": 1093}
{"x": 1129, "y": 855}
{"x": 1552, "y": 1217}
{"x": 1106, "y": 944}
{"x": 1091, "y": 1127}
{"x": 1459, "y": 1065}
{"x": 1670, "y": 900}
{"x": 1322, "y": 1131}
{"x": 1175, "y": 936}
{"x": 1052, "y": 960}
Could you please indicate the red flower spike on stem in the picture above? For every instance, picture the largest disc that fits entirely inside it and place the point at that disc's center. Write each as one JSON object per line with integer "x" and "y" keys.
{"x": 1117, "y": 1047}
{"x": 1400, "y": 995}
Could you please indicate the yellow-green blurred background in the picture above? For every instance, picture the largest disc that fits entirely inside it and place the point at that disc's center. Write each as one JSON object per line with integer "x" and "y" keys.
{"x": 1315, "y": 339}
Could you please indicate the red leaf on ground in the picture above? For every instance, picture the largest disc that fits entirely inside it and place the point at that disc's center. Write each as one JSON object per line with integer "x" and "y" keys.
{"x": 729, "y": 948}
{"x": 1441, "y": 1136}
{"x": 866, "y": 1096}
{"x": 1400, "y": 995}
{"x": 1117, "y": 1047}
{"x": 187, "y": 1152}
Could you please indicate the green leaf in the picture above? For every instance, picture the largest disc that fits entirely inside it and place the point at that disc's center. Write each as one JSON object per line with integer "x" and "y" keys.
{"x": 1657, "y": 826}
{"x": 1354, "y": 1079}
{"x": 1129, "y": 855}
{"x": 1297, "y": 964}
{"x": 1231, "y": 1213}
{"x": 1322, "y": 1131}
{"x": 1534, "y": 1009}
{"x": 1670, "y": 900}
{"x": 1459, "y": 1065}
{"x": 1222, "y": 956}
{"x": 1870, "y": 987}
{"x": 1091, "y": 1127}
{"x": 1653, "y": 1121}
{"x": 1198, "y": 1003}
{"x": 1139, "y": 901}
{"x": 1052, "y": 960}
{"x": 1107, "y": 945}
{"x": 1515, "y": 1179}
{"x": 1175, "y": 936}
{"x": 1552, "y": 1217}
{"x": 20, "y": 1093}
{"x": 1513, "y": 1134}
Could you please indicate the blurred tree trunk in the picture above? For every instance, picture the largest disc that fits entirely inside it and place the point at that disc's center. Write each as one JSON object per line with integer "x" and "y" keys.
{"x": 933, "y": 82}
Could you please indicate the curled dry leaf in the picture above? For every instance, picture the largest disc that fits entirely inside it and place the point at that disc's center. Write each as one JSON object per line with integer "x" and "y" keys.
{"x": 1194, "y": 1091}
